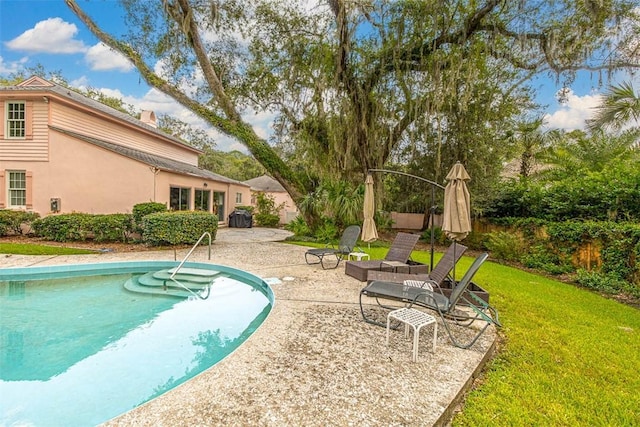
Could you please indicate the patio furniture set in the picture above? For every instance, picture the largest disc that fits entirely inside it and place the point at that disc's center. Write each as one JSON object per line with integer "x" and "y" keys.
{"x": 405, "y": 289}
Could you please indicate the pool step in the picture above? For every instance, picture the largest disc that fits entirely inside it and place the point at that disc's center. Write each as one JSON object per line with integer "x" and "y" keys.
{"x": 159, "y": 277}
{"x": 159, "y": 282}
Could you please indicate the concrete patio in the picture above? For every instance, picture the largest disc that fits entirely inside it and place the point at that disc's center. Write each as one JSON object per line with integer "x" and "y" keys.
{"x": 314, "y": 361}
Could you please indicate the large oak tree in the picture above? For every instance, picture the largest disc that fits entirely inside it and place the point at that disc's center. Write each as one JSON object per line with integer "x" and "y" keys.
{"x": 352, "y": 81}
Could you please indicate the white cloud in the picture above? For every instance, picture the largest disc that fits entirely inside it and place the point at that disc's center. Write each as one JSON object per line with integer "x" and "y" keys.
{"x": 52, "y": 35}
{"x": 13, "y": 66}
{"x": 573, "y": 113}
{"x": 101, "y": 57}
{"x": 81, "y": 82}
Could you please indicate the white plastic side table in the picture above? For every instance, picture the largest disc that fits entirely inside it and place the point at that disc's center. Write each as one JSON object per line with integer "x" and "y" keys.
{"x": 359, "y": 256}
{"x": 417, "y": 320}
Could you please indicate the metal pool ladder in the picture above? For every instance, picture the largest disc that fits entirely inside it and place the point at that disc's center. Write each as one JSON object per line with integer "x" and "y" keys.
{"x": 172, "y": 278}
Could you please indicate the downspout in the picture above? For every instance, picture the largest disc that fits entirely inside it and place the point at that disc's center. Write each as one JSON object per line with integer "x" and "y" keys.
{"x": 155, "y": 172}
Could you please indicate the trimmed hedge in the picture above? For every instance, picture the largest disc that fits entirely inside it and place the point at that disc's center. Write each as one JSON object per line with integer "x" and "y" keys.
{"x": 82, "y": 226}
{"x": 182, "y": 227}
{"x": 13, "y": 221}
{"x": 143, "y": 209}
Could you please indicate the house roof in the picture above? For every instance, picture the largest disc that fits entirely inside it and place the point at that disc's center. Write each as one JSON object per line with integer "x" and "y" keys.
{"x": 265, "y": 183}
{"x": 159, "y": 162}
{"x": 38, "y": 84}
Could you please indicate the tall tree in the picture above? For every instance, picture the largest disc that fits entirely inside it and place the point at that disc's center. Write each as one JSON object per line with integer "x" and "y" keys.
{"x": 350, "y": 79}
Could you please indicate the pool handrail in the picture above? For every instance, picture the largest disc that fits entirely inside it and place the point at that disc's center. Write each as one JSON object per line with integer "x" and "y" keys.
{"x": 206, "y": 233}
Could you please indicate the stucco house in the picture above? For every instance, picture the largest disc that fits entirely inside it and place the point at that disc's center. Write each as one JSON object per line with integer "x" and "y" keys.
{"x": 62, "y": 152}
{"x": 269, "y": 186}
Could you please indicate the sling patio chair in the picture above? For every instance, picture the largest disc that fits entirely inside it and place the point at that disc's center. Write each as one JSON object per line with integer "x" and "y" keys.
{"x": 347, "y": 242}
{"x": 446, "y": 307}
{"x": 399, "y": 252}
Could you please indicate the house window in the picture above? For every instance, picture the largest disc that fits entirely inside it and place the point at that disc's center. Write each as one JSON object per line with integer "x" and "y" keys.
{"x": 202, "y": 200}
{"x": 179, "y": 199}
{"x": 16, "y": 120}
{"x": 17, "y": 189}
{"x": 238, "y": 198}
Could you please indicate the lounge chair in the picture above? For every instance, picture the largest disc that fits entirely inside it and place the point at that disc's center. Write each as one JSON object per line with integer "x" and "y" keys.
{"x": 477, "y": 308}
{"x": 399, "y": 252}
{"x": 347, "y": 242}
{"x": 436, "y": 277}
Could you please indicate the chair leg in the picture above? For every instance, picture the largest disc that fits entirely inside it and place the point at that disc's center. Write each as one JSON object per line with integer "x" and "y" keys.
{"x": 458, "y": 344}
{"x": 312, "y": 263}
{"x": 375, "y": 322}
{"x": 338, "y": 259}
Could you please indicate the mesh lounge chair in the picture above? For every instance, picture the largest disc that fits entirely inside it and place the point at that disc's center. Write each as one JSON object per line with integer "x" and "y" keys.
{"x": 345, "y": 246}
{"x": 434, "y": 300}
{"x": 400, "y": 251}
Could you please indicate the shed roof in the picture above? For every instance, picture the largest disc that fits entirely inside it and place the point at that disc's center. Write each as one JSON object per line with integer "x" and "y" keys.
{"x": 265, "y": 183}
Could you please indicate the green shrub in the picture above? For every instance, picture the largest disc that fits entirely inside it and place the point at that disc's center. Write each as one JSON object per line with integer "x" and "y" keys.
{"x": 64, "y": 228}
{"x": 605, "y": 283}
{"x": 267, "y": 220}
{"x": 143, "y": 209}
{"x": 13, "y": 221}
{"x": 543, "y": 258}
{"x": 438, "y": 235}
{"x": 112, "y": 227}
{"x": 249, "y": 209}
{"x": 504, "y": 245}
{"x": 268, "y": 214}
{"x": 298, "y": 227}
{"x": 327, "y": 232}
{"x": 182, "y": 227}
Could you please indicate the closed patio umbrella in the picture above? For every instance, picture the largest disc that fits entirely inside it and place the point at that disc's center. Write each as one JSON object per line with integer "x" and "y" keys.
{"x": 456, "y": 221}
{"x": 369, "y": 231}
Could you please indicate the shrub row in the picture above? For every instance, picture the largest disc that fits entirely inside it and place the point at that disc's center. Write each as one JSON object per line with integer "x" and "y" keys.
{"x": 556, "y": 247}
{"x": 81, "y": 227}
{"x": 611, "y": 194}
{"x": 150, "y": 220}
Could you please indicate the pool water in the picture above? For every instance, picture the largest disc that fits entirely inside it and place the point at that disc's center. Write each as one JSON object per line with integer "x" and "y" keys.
{"x": 79, "y": 351}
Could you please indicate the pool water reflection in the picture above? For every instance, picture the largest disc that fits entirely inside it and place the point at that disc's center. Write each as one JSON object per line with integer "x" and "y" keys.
{"x": 82, "y": 350}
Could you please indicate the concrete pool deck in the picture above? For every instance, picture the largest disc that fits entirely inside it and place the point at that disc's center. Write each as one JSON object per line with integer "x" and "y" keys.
{"x": 314, "y": 361}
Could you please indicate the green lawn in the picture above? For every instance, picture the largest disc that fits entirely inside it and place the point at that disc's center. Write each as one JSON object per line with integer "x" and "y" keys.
{"x": 29, "y": 249}
{"x": 569, "y": 357}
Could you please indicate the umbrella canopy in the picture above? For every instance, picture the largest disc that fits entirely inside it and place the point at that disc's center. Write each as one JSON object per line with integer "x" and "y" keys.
{"x": 369, "y": 232}
{"x": 456, "y": 222}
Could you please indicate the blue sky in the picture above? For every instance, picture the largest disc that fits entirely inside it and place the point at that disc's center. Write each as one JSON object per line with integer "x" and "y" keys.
{"x": 46, "y": 32}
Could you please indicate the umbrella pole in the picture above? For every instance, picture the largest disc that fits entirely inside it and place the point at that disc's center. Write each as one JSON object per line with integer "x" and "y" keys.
{"x": 453, "y": 285}
{"x": 432, "y": 215}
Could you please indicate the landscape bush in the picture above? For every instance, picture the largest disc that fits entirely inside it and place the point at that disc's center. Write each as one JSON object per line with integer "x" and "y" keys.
{"x": 112, "y": 227}
{"x": 174, "y": 228}
{"x": 268, "y": 214}
{"x": 79, "y": 227}
{"x": 16, "y": 222}
{"x": 64, "y": 227}
{"x": 555, "y": 247}
{"x": 141, "y": 210}
{"x": 298, "y": 227}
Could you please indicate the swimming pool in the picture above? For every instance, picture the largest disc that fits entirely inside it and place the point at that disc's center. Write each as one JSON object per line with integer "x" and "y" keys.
{"x": 79, "y": 347}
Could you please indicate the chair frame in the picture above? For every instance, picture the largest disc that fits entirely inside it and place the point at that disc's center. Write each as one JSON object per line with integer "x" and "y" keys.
{"x": 348, "y": 241}
{"x": 436, "y": 301}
